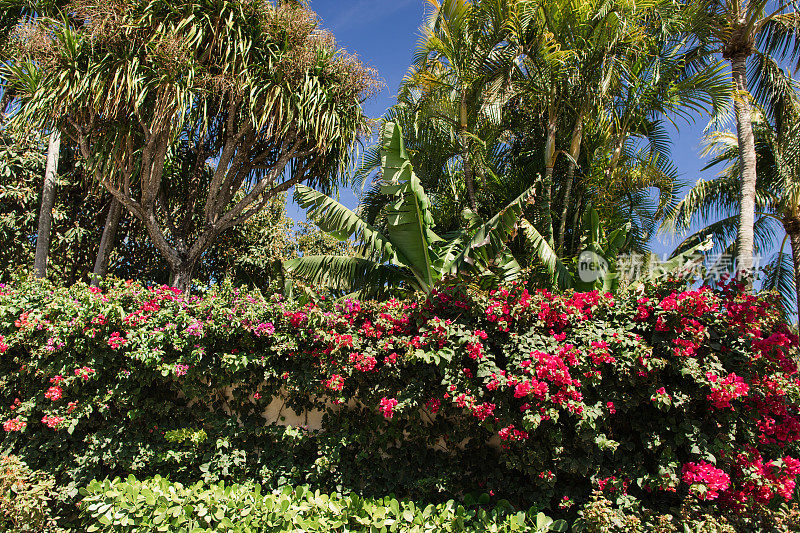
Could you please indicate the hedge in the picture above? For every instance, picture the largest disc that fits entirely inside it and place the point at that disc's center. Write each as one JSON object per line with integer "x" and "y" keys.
{"x": 657, "y": 398}
{"x": 157, "y": 505}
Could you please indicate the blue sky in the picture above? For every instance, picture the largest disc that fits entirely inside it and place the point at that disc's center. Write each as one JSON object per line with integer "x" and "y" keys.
{"x": 384, "y": 34}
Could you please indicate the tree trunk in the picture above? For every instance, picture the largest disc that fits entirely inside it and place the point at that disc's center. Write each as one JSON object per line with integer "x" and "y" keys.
{"x": 469, "y": 175}
{"x": 46, "y": 210}
{"x": 574, "y": 153}
{"x": 562, "y": 225}
{"x": 549, "y": 162}
{"x": 747, "y": 166}
{"x": 548, "y": 206}
{"x": 792, "y": 227}
{"x": 185, "y": 263}
{"x": 576, "y": 226}
{"x": 182, "y": 276}
{"x": 106, "y": 242}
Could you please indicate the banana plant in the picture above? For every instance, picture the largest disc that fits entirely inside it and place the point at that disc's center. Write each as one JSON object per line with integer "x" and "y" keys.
{"x": 597, "y": 264}
{"x": 407, "y": 255}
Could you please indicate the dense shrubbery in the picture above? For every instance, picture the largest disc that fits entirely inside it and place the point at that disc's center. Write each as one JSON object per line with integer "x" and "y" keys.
{"x": 26, "y": 498}
{"x": 156, "y": 505}
{"x": 660, "y": 399}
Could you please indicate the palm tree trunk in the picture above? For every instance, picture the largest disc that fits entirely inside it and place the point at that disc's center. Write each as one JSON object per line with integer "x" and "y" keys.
{"x": 548, "y": 206}
{"x": 46, "y": 209}
{"x": 562, "y": 225}
{"x": 469, "y": 177}
{"x": 576, "y": 225}
{"x": 747, "y": 166}
{"x": 106, "y": 242}
{"x": 469, "y": 174}
{"x": 792, "y": 226}
{"x": 549, "y": 162}
{"x": 574, "y": 153}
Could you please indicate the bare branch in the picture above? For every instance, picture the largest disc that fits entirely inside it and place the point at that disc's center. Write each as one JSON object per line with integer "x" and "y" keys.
{"x": 253, "y": 195}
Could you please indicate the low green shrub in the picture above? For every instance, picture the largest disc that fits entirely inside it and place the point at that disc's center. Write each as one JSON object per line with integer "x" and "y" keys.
{"x": 134, "y": 506}
{"x": 659, "y": 396}
{"x": 26, "y": 498}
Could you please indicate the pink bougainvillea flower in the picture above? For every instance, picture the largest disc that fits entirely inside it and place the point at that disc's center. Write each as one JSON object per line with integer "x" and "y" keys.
{"x": 335, "y": 382}
{"x": 181, "y": 369}
{"x": 52, "y": 421}
{"x": 84, "y": 373}
{"x": 387, "y": 406}
{"x": 712, "y": 480}
{"x": 54, "y": 393}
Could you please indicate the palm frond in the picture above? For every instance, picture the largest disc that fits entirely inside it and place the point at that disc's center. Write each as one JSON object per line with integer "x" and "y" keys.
{"x": 781, "y": 279}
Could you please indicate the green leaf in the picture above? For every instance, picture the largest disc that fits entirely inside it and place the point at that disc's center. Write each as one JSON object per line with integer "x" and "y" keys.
{"x": 408, "y": 217}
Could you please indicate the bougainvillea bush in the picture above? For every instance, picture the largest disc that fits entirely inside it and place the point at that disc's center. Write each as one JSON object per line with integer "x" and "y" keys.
{"x": 655, "y": 397}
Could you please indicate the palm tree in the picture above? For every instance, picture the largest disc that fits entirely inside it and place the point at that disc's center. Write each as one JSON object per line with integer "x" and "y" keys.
{"x": 739, "y": 30}
{"x": 615, "y": 73}
{"x": 48, "y": 202}
{"x": 632, "y": 158}
{"x": 601, "y": 76}
{"x": 407, "y": 254}
{"x": 459, "y": 70}
{"x": 776, "y": 133}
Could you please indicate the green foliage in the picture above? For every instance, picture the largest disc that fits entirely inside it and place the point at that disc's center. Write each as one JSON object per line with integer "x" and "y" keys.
{"x": 26, "y": 498}
{"x": 250, "y": 254}
{"x": 77, "y": 215}
{"x": 224, "y": 105}
{"x": 596, "y": 267}
{"x": 21, "y": 168}
{"x": 602, "y": 516}
{"x": 157, "y": 505}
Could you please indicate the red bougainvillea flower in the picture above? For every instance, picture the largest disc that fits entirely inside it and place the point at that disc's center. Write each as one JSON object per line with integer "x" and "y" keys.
{"x": 22, "y": 321}
{"x": 116, "y": 340}
{"x": 510, "y": 433}
{"x": 483, "y": 411}
{"x": 661, "y": 392}
{"x": 725, "y": 390}
{"x": 15, "y": 424}
{"x": 433, "y": 405}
